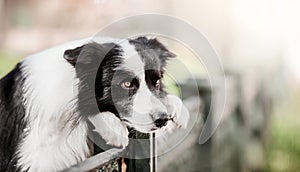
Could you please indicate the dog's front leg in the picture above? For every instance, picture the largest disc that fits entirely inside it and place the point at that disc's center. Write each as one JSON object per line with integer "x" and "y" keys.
{"x": 111, "y": 129}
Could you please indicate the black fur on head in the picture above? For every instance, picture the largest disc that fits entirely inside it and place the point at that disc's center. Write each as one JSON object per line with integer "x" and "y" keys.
{"x": 144, "y": 45}
{"x": 102, "y": 70}
{"x": 155, "y": 56}
{"x": 95, "y": 64}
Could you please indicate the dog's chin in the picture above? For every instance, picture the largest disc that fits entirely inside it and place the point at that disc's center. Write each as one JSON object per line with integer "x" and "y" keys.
{"x": 143, "y": 129}
{"x": 147, "y": 131}
{"x": 147, "y": 128}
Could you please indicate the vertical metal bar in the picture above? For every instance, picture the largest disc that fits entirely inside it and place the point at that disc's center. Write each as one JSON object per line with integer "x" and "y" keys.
{"x": 153, "y": 153}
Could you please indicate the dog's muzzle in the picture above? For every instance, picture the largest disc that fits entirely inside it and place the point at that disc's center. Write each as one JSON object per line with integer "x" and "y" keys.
{"x": 162, "y": 121}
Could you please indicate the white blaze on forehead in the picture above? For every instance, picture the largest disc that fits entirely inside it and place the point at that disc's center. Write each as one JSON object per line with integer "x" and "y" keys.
{"x": 129, "y": 49}
{"x": 132, "y": 60}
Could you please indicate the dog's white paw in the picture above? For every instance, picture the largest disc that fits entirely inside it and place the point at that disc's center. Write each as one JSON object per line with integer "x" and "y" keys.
{"x": 180, "y": 112}
{"x": 111, "y": 129}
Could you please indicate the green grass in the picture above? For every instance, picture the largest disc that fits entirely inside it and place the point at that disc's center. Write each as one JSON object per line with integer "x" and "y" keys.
{"x": 7, "y": 62}
{"x": 284, "y": 147}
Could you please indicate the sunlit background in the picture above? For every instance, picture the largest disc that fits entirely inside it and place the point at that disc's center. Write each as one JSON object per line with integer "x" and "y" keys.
{"x": 258, "y": 42}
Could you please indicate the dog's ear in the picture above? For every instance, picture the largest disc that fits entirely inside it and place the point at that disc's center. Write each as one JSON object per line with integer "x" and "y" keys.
{"x": 143, "y": 43}
{"x": 168, "y": 54}
{"x": 72, "y": 55}
{"x": 86, "y": 53}
{"x": 164, "y": 52}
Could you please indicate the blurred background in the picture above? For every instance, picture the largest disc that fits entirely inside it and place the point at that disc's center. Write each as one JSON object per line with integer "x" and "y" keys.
{"x": 258, "y": 42}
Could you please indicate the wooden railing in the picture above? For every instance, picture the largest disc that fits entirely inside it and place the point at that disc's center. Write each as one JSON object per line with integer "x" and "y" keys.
{"x": 108, "y": 159}
{"x": 97, "y": 161}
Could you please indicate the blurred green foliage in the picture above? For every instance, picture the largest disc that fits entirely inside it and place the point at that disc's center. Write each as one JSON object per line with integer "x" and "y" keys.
{"x": 7, "y": 62}
{"x": 283, "y": 149}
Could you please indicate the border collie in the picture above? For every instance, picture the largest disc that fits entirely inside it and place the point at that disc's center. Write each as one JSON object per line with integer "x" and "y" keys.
{"x": 48, "y": 99}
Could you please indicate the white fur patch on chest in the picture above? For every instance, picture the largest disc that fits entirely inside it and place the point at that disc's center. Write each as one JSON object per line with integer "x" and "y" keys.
{"x": 51, "y": 144}
{"x": 46, "y": 149}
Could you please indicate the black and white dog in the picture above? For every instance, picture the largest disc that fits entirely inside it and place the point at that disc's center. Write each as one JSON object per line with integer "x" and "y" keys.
{"x": 47, "y": 100}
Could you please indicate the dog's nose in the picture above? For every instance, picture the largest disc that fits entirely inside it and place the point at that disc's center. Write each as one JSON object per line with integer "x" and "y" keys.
{"x": 161, "y": 122}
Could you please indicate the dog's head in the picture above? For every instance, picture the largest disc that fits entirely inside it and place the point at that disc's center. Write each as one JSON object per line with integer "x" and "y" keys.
{"x": 128, "y": 81}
